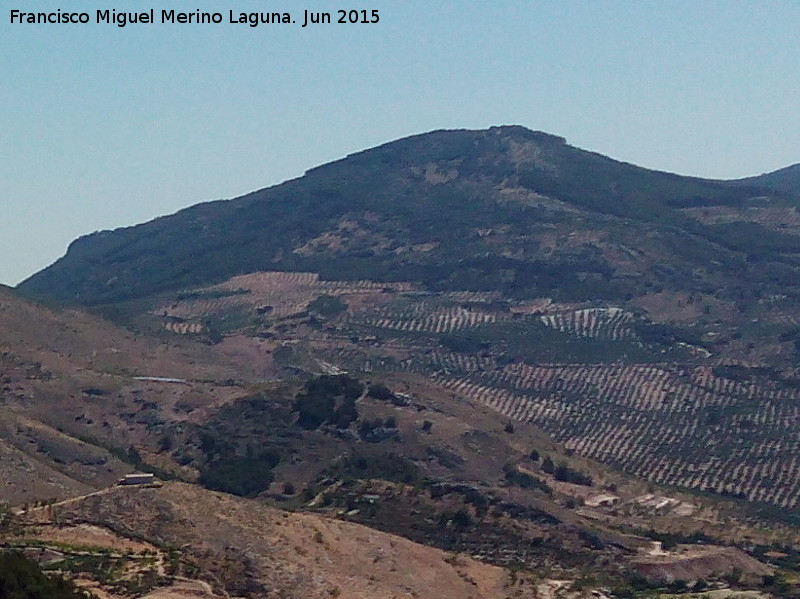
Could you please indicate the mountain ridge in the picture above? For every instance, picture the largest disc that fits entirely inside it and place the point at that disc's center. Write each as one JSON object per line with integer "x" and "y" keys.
{"x": 785, "y": 180}
{"x": 443, "y": 187}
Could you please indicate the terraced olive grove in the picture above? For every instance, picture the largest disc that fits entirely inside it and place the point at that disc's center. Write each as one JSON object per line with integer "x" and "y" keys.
{"x": 605, "y": 381}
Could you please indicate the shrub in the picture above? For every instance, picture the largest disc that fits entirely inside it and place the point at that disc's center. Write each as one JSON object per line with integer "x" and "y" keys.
{"x": 462, "y": 518}
{"x": 165, "y": 443}
{"x": 524, "y": 480}
{"x": 463, "y": 343}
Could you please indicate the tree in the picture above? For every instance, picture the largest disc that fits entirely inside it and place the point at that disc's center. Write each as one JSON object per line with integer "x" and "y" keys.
{"x": 380, "y": 391}
{"x": 165, "y": 443}
{"x": 327, "y": 306}
{"x": 566, "y": 474}
{"x": 21, "y": 578}
{"x": 244, "y": 476}
{"x": 328, "y": 399}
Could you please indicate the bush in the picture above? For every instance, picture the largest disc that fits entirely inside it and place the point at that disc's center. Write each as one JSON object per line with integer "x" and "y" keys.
{"x": 365, "y": 427}
{"x": 463, "y": 343}
{"x": 165, "y": 443}
{"x": 462, "y": 518}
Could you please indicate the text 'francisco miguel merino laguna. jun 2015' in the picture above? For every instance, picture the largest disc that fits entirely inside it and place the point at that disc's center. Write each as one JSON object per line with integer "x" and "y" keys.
{"x": 302, "y": 18}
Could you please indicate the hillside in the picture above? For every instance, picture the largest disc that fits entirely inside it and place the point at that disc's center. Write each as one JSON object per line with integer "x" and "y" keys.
{"x": 592, "y": 297}
{"x": 251, "y": 550}
{"x": 552, "y": 284}
{"x": 786, "y": 180}
{"x": 506, "y": 209}
{"x": 451, "y": 476}
{"x": 433, "y": 339}
{"x": 69, "y": 394}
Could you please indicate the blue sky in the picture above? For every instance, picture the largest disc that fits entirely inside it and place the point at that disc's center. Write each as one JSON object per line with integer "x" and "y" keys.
{"x": 103, "y": 127}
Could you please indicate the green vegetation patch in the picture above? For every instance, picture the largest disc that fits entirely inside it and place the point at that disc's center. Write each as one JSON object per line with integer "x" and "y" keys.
{"x": 246, "y": 476}
{"x": 208, "y": 294}
{"x": 531, "y": 341}
{"x": 327, "y": 306}
{"x": 524, "y": 480}
{"x": 328, "y": 399}
{"x": 367, "y": 465}
{"x": 21, "y": 578}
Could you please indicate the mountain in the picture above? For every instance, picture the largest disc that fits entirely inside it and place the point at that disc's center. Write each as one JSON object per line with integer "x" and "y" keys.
{"x": 786, "y": 180}
{"x": 581, "y": 374}
{"x": 476, "y": 210}
{"x": 506, "y": 267}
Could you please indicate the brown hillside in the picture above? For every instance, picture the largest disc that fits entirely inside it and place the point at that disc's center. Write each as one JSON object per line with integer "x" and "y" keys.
{"x": 252, "y": 550}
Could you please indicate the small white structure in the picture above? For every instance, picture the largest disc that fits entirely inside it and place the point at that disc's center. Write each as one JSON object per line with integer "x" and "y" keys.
{"x": 602, "y": 500}
{"x": 137, "y": 479}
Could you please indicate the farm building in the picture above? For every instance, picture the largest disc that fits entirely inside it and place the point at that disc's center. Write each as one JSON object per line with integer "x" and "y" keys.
{"x": 137, "y": 479}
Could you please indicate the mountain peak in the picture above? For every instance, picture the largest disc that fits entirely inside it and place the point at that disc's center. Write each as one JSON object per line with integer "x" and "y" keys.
{"x": 525, "y": 133}
{"x": 358, "y": 217}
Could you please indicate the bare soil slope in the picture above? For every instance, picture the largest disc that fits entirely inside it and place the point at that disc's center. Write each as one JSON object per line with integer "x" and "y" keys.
{"x": 72, "y": 398}
{"x": 252, "y": 550}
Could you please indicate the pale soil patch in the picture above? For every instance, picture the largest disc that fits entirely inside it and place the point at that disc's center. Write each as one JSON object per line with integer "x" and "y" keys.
{"x": 784, "y": 220}
{"x": 559, "y": 589}
{"x": 24, "y": 479}
{"x": 675, "y": 307}
{"x": 183, "y": 590}
{"x": 690, "y": 562}
{"x": 87, "y": 535}
{"x": 720, "y": 594}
